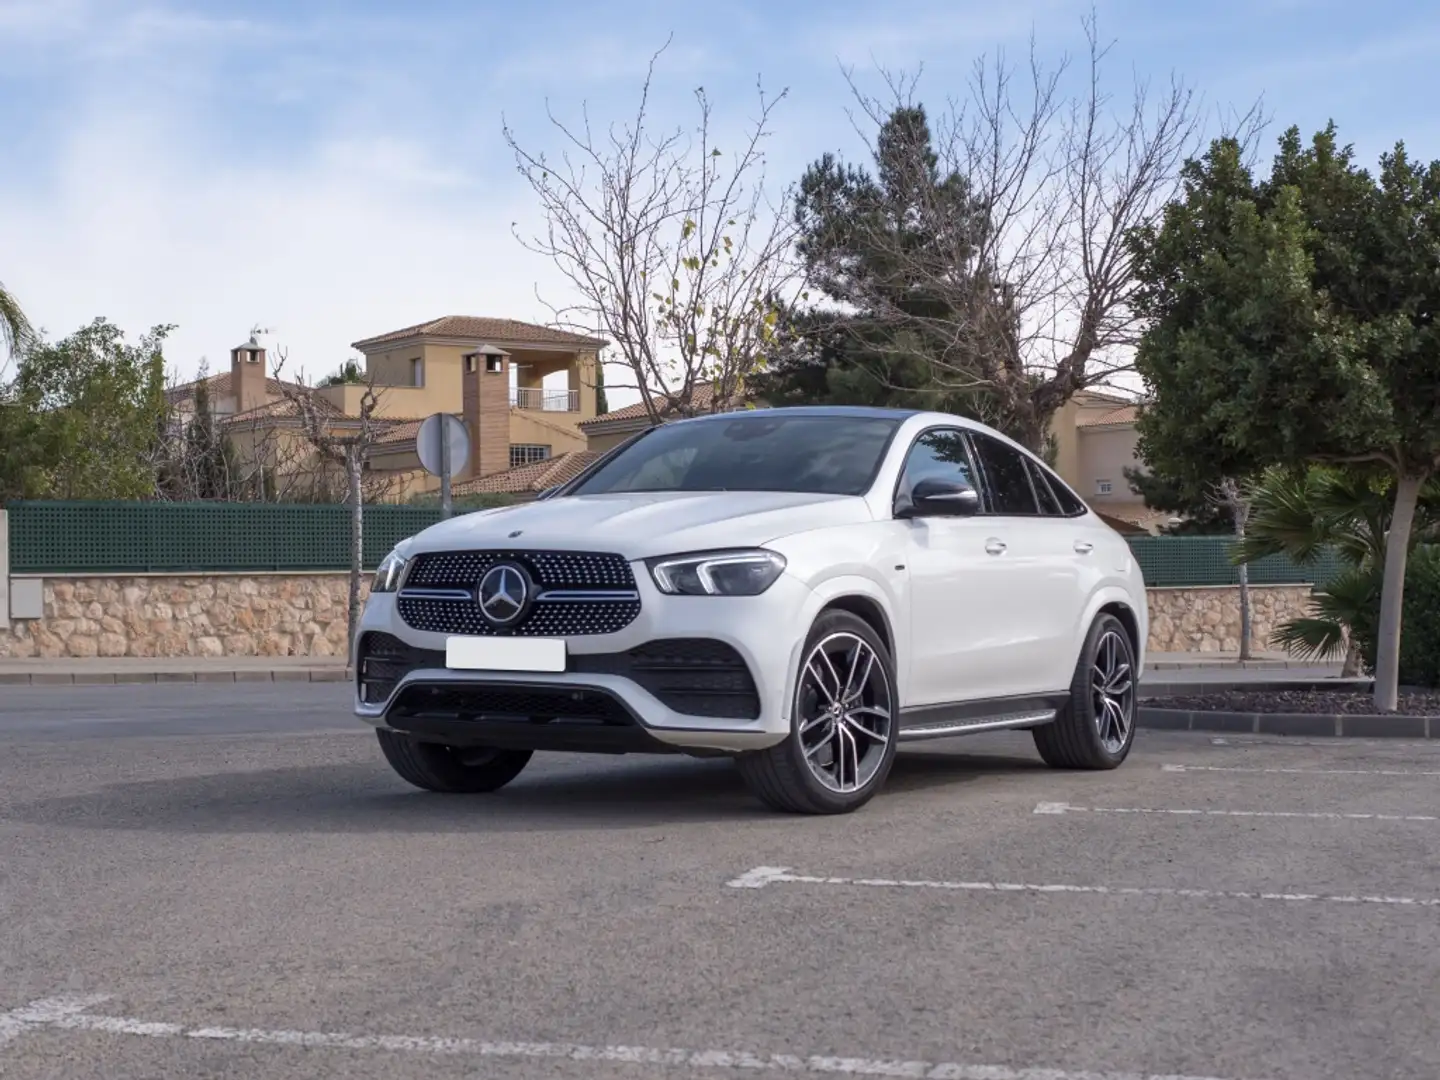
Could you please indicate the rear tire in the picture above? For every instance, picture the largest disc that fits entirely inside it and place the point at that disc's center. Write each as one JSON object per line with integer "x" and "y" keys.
{"x": 1096, "y": 727}
{"x": 842, "y": 728}
{"x": 449, "y": 769}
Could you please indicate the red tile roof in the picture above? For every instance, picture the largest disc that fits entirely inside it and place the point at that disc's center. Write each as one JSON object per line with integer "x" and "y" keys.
{"x": 534, "y": 477}
{"x": 482, "y": 329}
{"x": 700, "y": 399}
{"x": 1110, "y": 418}
{"x": 219, "y": 387}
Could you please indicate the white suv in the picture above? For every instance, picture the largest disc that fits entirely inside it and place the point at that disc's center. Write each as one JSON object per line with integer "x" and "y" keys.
{"x": 799, "y": 588}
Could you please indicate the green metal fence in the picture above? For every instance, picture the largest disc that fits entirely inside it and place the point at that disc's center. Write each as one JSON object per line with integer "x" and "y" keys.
{"x": 1180, "y": 561}
{"x": 130, "y": 537}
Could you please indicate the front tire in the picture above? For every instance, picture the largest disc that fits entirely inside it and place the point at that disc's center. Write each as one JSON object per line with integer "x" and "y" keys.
{"x": 843, "y": 724}
{"x": 450, "y": 769}
{"x": 1096, "y": 728}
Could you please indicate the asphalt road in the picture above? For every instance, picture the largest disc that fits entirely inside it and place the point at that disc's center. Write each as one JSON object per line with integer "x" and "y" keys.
{"x": 204, "y": 881}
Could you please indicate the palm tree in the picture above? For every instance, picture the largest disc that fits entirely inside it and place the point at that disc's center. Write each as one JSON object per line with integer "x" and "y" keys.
{"x": 15, "y": 330}
{"x": 1305, "y": 515}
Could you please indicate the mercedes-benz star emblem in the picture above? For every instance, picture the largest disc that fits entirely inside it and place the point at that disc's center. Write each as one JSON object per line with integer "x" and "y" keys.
{"x": 502, "y": 593}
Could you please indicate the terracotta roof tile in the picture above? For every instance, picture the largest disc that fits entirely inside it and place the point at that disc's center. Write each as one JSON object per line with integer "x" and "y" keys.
{"x": 1110, "y": 418}
{"x": 219, "y": 386}
{"x": 468, "y": 326}
{"x": 534, "y": 477}
{"x": 700, "y": 398}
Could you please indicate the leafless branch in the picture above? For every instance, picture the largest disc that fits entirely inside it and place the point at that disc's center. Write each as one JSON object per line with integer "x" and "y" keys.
{"x": 1030, "y": 276}
{"x": 671, "y": 246}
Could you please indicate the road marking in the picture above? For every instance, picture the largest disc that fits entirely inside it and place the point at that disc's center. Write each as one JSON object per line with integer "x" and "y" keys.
{"x": 44, "y": 1012}
{"x": 67, "y": 1014}
{"x": 1300, "y": 772}
{"x": 762, "y": 876}
{"x": 1067, "y": 808}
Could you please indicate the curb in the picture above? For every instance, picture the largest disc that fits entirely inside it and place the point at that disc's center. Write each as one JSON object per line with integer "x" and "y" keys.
{"x": 126, "y": 678}
{"x": 1354, "y": 726}
{"x": 1210, "y": 665}
{"x": 1189, "y": 689}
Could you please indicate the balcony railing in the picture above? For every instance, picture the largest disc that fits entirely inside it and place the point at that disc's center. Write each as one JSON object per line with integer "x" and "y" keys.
{"x": 541, "y": 400}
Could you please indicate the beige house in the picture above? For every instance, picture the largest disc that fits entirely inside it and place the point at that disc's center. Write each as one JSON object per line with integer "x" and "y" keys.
{"x": 1095, "y": 442}
{"x": 523, "y": 391}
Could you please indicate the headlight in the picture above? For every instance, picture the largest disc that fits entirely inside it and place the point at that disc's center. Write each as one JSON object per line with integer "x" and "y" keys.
{"x": 389, "y": 573}
{"x": 717, "y": 573}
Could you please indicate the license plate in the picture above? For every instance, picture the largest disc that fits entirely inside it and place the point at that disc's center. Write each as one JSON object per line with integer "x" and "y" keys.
{"x": 505, "y": 654}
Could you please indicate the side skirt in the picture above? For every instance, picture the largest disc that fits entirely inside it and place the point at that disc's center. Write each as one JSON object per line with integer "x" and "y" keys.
{"x": 970, "y": 717}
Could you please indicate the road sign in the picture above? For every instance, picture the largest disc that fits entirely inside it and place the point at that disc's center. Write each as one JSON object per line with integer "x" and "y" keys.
{"x": 443, "y": 444}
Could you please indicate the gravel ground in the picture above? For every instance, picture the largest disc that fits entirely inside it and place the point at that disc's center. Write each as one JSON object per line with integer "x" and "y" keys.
{"x": 1319, "y": 702}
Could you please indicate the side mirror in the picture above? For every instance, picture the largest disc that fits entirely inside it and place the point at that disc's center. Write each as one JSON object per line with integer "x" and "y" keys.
{"x": 937, "y": 497}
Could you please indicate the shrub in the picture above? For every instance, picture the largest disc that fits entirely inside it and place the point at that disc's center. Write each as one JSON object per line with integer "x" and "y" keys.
{"x": 1420, "y": 622}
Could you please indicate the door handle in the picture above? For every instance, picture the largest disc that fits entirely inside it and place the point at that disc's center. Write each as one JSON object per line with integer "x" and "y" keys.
{"x": 994, "y": 546}
{"x": 1084, "y": 547}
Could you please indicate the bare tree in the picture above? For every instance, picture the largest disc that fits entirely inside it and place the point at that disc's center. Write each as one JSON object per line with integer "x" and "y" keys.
{"x": 1028, "y": 276}
{"x": 342, "y": 440}
{"x": 672, "y": 247}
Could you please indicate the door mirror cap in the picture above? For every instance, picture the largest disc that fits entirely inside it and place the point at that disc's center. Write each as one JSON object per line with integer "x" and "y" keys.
{"x": 937, "y": 497}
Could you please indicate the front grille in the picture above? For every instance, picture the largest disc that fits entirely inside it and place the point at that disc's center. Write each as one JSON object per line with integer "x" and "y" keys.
{"x": 550, "y": 569}
{"x": 561, "y": 578}
{"x": 534, "y": 704}
{"x": 693, "y": 676}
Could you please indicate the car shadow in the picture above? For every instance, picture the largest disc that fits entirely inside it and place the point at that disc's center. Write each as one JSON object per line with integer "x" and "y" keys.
{"x": 601, "y": 793}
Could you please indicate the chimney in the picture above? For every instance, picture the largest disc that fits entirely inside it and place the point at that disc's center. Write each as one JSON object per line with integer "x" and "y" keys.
{"x": 486, "y": 381}
{"x": 247, "y": 375}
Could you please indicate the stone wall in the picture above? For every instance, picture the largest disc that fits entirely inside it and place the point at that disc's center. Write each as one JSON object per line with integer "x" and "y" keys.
{"x": 209, "y": 615}
{"x": 304, "y": 615}
{"x": 1208, "y": 620}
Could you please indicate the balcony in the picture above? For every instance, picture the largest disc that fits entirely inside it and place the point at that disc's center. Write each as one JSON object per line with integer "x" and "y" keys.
{"x": 538, "y": 399}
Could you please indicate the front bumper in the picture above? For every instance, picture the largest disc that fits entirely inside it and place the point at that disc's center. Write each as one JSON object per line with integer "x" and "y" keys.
{"x": 611, "y": 697}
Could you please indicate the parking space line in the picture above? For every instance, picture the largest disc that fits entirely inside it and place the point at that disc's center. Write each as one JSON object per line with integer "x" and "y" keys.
{"x": 1297, "y": 772}
{"x": 761, "y": 876}
{"x": 67, "y": 1014}
{"x": 44, "y": 1012}
{"x": 1067, "y": 808}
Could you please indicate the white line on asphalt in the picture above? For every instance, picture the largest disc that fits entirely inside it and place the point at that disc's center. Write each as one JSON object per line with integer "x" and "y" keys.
{"x": 1300, "y": 772}
{"x": 65, "y": 1013}
{"x": 761, "y": 876}
{"x": 1066, "y": 808}
{"x": 43, "y": 1012}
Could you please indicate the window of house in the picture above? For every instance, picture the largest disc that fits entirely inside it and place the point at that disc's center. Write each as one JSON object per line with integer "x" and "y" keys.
{"x": 1102, "y": 487}
{"x": 527, "y": 454}
{"x": 417, "y": 371}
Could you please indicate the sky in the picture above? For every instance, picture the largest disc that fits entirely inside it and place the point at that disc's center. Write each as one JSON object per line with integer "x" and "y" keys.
{"x": 334, "y": 170}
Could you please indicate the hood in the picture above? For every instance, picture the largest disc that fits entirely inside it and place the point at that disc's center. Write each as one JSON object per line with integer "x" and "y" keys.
{"x": 641, "y": 525}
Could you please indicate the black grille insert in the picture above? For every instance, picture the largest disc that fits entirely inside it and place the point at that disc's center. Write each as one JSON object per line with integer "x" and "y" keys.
{"x": 512, "y": 703}
{"x": 693, "y": 676}
{"x": 571, "y": 593}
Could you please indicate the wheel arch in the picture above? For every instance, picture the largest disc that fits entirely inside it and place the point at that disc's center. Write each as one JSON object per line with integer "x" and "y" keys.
{"x": 1118, "y": 603}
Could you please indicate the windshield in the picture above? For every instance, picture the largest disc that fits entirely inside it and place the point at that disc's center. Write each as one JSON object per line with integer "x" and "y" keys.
{"x": 758, "y": 451}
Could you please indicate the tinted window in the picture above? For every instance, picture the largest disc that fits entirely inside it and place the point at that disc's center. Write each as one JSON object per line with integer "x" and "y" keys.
{"x": 758, "y": 451}
{"x": 1005, "y": 475}
{"x": 1049, "y": 505}
{"x": 1070, "y": 504}
{"x": 940, "y": 453}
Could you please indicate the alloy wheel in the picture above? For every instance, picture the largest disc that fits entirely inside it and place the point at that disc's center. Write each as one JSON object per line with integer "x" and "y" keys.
{"x": 1112, "y": 684}
{"x": 846, "y": 712}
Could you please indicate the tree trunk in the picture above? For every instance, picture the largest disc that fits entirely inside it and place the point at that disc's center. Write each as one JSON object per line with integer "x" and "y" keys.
{"x": 1392, "y": 593}
{"x": 1239, "y": 508}
{"x": 357, "y": 545}
{"x": 1351, "y": 667}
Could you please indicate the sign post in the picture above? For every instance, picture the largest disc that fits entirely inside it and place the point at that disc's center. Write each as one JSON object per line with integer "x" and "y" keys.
{"x": 442, "y": 441}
